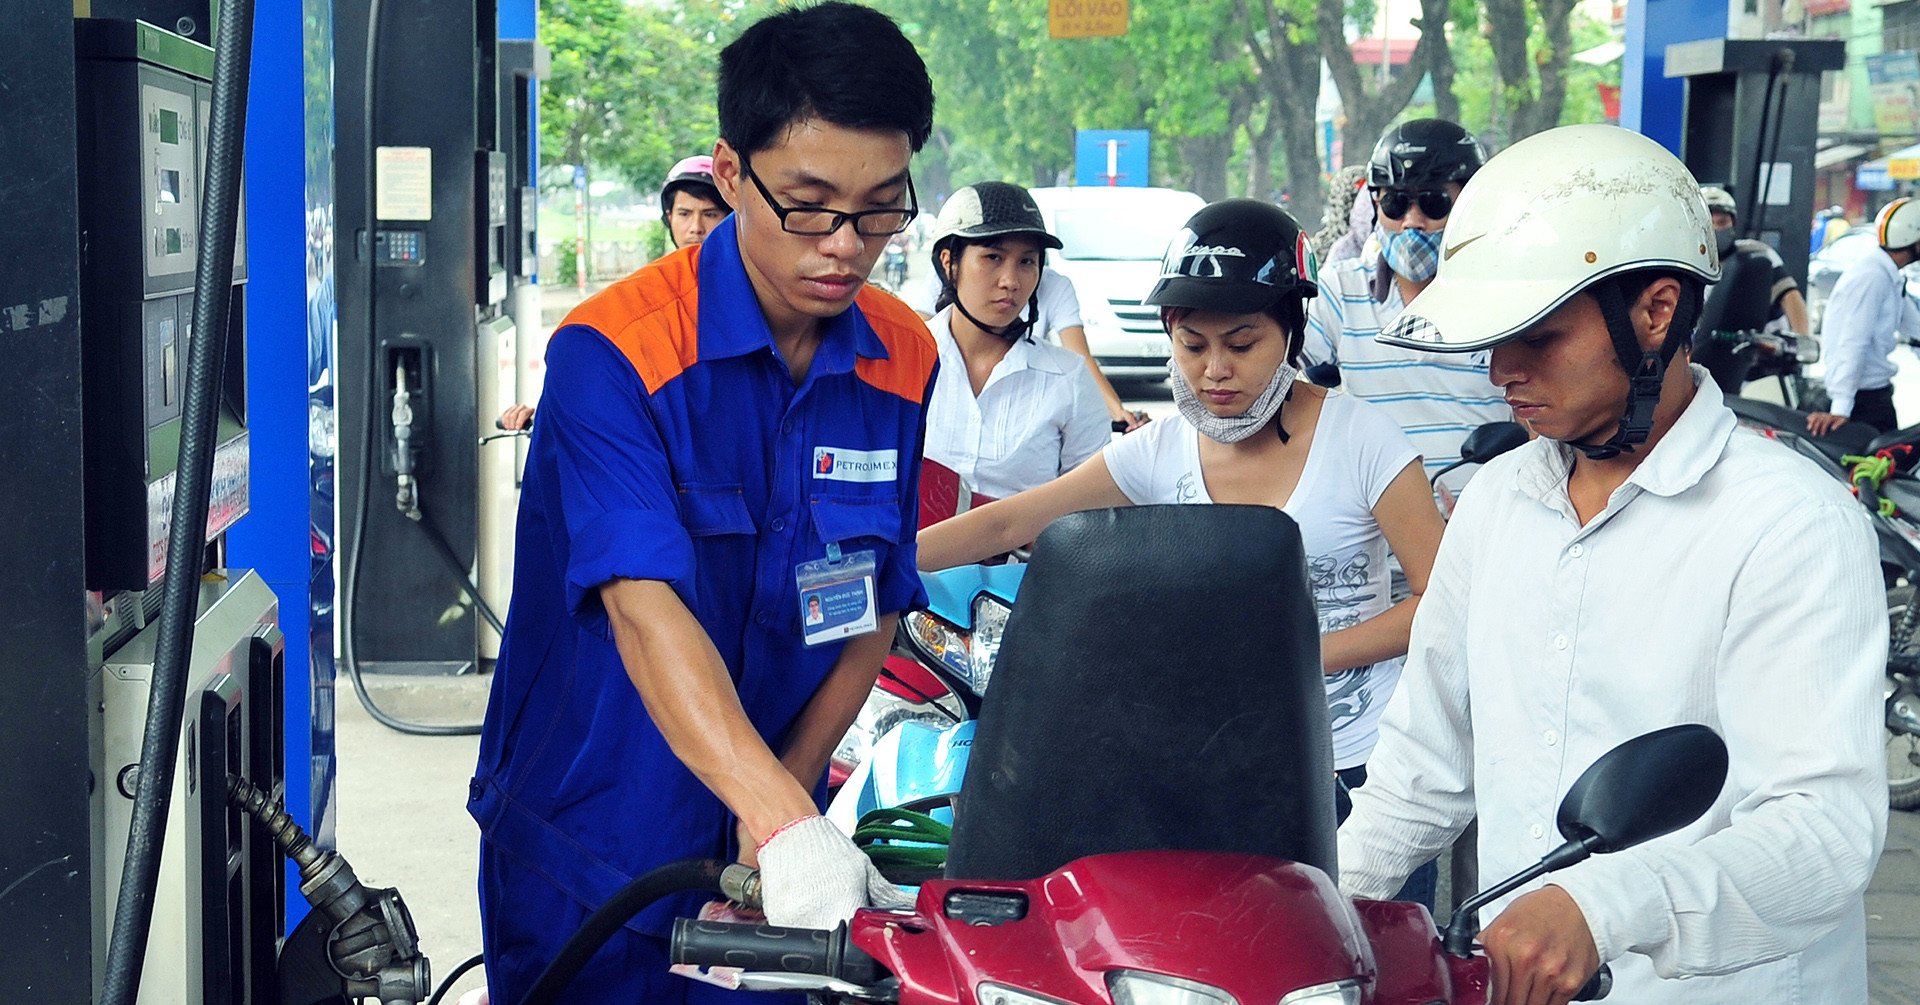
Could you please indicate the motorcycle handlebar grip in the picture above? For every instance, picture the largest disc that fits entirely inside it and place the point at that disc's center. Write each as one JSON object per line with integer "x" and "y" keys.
{"x": 771, "y": 949}
{"x": 1597, "y": 986}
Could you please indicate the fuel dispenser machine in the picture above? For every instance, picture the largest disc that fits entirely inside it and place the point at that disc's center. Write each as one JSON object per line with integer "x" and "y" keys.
{"x": 428, "y": 211}
{"x": 1751, "y": 124}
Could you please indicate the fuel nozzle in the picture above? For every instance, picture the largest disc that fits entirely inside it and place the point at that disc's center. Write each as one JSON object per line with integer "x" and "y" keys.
{"x": 370, "y": 946}
{"x": 406, "y": 489}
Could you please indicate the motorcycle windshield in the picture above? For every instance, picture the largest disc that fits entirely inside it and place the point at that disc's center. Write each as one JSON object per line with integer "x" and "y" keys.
{"x": 1189, "y": 714}
{"x": 951, "y": 592}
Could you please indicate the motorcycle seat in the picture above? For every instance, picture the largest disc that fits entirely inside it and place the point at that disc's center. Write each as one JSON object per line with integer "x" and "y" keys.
{"x": 1908, "y": 437}
{"x": 1191, "y": 716}
{"x": 1852, "y": 438}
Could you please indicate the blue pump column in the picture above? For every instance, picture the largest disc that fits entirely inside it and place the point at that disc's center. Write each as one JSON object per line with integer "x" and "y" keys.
{"x": 288, "y": 536}
{"x": 1651, "y": 103}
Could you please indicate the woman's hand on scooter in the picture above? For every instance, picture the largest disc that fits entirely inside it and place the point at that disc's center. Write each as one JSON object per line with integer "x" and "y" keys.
{"x": 1540, "y": 950}
{"x": 813, "y": 876}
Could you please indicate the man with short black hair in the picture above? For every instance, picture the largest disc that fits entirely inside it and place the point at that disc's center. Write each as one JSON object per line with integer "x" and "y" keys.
{"x": 690, "y": 205}
{"x": 1643, "y": 563}
{"x": 730, "y": 431}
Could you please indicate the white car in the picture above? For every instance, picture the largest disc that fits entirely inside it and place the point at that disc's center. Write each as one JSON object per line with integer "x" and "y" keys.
{"x": 1114, "y": 240}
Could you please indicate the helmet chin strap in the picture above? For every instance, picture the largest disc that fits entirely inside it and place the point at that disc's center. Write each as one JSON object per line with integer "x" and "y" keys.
{"x": 1646, "y": 373}
{"x": 1018, "y": 329}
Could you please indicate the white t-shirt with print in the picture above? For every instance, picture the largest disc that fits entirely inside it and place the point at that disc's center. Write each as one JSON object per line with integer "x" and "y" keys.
{"x": 1357, "y": 451}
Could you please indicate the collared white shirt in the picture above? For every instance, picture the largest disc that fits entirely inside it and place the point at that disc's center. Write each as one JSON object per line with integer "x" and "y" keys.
{"x": 1729, "y": 582}
{"x": 1437, "y": 398}
{"x": 1037, "y": 417}
{"x": 1868, "y": 306}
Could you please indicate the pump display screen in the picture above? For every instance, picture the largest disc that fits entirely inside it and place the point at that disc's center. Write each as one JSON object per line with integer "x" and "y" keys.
{"x": 169, "y": 126}
{"x": 169, "y": 185}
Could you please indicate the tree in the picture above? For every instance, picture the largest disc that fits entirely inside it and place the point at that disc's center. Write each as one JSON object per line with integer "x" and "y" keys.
{"x": 1370, "y": 109}
{"x": 1280, "y": 37}
{"x": 1520, "y": 109}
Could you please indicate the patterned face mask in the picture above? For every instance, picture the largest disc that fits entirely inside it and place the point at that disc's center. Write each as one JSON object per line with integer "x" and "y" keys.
{"x": 1413, "y": 254}
{"x": 1233, "y": 428}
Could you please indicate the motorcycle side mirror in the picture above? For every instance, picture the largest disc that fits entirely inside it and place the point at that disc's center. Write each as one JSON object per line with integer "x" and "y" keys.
{"x": 1485, "y": 443}
{"x": 1491, "y": 440}
{"x": 1649, "y": 786}
{"x": 1324, "y": 374}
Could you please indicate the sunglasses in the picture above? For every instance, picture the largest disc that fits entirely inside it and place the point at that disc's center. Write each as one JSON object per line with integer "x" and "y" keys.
{"x": 1394, "y": 203}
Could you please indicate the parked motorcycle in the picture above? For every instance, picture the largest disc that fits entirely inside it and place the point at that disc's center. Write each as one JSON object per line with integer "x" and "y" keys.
{"x": 1130, "y": 834}
{"x": 893, "y": 265}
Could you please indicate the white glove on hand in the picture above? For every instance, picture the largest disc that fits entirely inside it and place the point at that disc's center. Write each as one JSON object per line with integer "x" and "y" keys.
{"x": 813, "y": 876}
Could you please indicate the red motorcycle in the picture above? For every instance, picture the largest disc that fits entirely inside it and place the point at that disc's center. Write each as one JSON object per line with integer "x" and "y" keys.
{"x": 1132, "y": 832}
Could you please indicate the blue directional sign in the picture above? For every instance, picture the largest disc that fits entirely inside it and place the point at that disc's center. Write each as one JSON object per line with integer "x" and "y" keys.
{"x": 1111, "y": 157}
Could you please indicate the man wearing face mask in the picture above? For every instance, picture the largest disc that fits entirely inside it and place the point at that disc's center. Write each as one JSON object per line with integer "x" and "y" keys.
{"x": 1416, "y": 172}
{"x": 1781, "y": 309}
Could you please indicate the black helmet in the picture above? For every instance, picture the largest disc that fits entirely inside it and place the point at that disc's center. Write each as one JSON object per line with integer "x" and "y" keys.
{"x": 991, "y": 209}
{"x": 1238, "y": 256}
{"x": 1424, "y": 152}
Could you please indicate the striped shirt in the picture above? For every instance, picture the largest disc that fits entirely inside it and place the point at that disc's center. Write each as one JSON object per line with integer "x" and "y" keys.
{"x": 1437, "y": 398}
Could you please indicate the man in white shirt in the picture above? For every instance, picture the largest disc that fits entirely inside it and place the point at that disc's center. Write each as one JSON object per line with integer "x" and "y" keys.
{"x": 1868, "y": 310}
{"x": 1642, "y": 564}
{"x": 1413, "y": 178}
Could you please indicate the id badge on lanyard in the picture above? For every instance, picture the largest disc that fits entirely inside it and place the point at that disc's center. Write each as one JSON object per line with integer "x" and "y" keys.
{"x": 836, "y": 596}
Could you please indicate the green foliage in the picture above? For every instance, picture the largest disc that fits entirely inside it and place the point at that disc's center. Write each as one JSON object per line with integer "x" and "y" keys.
{"x": 632, "y": 85}
{"x": 631, "y": 89}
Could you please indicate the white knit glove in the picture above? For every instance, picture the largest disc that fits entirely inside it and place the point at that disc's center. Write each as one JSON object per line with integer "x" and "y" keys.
{"x": 813, "y": 876}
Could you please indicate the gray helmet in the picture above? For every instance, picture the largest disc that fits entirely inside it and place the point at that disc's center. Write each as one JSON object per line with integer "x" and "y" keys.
{"x": 991, "y": 209}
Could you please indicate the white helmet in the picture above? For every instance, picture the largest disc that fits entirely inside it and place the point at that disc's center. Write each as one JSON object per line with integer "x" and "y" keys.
{"x": 1898, "y": 225}
{"x": 1719, "y": 199}
{"x": 1545, "y": 219}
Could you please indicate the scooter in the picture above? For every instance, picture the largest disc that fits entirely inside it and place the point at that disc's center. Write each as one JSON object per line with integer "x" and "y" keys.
{"x": 1126, "y": 836}
{"x": 936, "y": 671}
{"x": 894, "y": 265}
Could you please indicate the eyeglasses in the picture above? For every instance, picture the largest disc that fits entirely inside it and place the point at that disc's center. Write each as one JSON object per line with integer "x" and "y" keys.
{"x": 1434, "y": 204}
{"x": 810, "y": 222}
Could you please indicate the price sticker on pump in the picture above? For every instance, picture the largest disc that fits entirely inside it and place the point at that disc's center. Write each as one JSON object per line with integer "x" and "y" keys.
{"x": 836, "y": 596}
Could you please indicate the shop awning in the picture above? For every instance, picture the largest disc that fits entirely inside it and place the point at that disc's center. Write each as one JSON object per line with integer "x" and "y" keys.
{"x": 1904, "y": 164}
{"x": 1836, "y": 155}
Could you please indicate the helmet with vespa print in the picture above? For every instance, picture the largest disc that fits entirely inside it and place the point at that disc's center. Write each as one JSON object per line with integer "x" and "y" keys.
{"x": 1240, "y": 256}
{"x": 1561, "y": 213}
{"x": 1424, "y": 153}
{"x": 1898, "y": 225}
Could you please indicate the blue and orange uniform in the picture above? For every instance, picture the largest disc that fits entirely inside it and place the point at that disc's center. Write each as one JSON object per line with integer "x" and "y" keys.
{"x": 673, "y": 445}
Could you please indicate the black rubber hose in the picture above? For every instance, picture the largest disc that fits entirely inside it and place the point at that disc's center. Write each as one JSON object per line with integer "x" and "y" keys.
{"x": 674, "y": 877}
{"x": 459, "y": 571}
{"x": 349, "y": 653}
{"x": 187, "y": 536}
{"x": 478, "y": 959}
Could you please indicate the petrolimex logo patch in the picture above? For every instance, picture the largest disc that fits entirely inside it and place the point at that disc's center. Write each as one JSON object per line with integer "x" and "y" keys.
{"x": 839, "y": 464}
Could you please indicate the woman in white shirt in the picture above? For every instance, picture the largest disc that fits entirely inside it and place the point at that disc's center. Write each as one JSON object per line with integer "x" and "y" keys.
{"x": 1232, "y": 296}
{"x": 1008, "y": 412}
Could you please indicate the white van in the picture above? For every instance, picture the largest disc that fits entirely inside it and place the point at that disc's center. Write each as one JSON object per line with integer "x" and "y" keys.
{"x": 1114, "y": 240}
